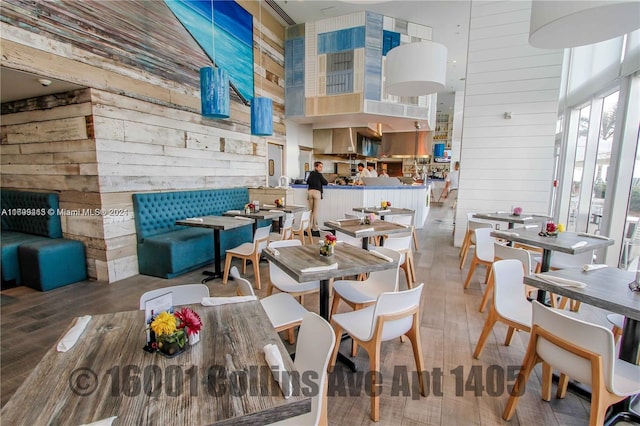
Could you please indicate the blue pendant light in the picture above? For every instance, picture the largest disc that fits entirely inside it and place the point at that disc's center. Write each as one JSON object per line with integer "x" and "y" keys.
{"x": 261, "y": 108}
{"x": 214, "y": 92}
{"x": 261, "y": 116}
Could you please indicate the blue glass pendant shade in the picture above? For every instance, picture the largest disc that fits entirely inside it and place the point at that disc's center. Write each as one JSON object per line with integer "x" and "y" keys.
{"x": 214, "y": 92}
{"x": 261, "y": 116}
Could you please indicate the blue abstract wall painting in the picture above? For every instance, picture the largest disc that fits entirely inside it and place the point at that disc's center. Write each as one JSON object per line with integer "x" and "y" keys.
{"x": 228, "y": 42}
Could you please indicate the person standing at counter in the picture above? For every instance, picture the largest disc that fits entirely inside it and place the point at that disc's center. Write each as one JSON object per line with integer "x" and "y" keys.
{"x": 372, "y": 170}
{"x": 362, "y": 172}
{"x": 315, "y": 181}
{"x": 451, "y": 186}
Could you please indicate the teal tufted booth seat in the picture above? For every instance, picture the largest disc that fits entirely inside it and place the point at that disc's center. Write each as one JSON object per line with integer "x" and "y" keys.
{"x": 32, "y": 218}
{"x": 167, "y": 250}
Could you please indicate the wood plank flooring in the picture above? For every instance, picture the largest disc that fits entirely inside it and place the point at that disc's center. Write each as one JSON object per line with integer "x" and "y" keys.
{"x": 458, "y": 390}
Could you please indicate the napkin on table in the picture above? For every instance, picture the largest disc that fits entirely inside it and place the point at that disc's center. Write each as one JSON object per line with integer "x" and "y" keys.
{"x": 274, "y": 359}
{"x": 320, "y": 268}
{"x": 562, "y": 282}
{"x": 384, "y": 211}
{"x": 380, "y": 255}
{"x": 104, "y": 422}
{"x": 195, "y": 219}
{"x": 579, "y": 244}
{"x": 269, "y": 205}
{"x": 234, "y": 211}
{"x": 359, "y": 231}
{"x": 592, "y": 267}
{"x": 72, "y": 336}
{"x": 217, "y": 301}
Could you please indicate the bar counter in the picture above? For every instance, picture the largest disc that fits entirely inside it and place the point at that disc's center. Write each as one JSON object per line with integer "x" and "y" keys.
{"x": 339, "y": 200}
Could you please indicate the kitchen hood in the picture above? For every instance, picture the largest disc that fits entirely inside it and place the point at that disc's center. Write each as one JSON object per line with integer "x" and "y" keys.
{"x": 347, "y": 141}
{"x": 407, "y": 144}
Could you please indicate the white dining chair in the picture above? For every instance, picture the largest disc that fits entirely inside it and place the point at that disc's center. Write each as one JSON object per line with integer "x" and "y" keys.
{"x": 348, "y": 239}
{"x": 394, "y": 314}
{"x": 502, "y": 252}
{"x": 483, "y": 254}
{"x": 184, "y": 294}
{"x": 284, "y": 312}
{"x": 316, "y": 341}
{"x": 509, "y": 306}
{"x": 302, "y": 226}
{"x": 402, "y": 243}
{"x": 579, "y": 350}
{"x": 282, "y": 281}
{"x": 407, "y": 220}
{"x": 249, "y": 251}
{"x": 286, "y": 232}
{"x": 469, "y": 237}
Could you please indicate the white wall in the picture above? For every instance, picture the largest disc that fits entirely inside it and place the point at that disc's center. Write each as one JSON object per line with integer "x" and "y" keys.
{"x": 506, "y": 163}
{"x": 297, "y": 135}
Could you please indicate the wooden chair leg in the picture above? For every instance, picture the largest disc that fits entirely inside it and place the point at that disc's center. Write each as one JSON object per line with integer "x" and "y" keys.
{"x": 256, "y": 271}
{"x": 334, "y": 304}
{"x": 563, "y": 382}
{"x": 374, "y": 367}
{"x": 227, "y": 266}
{"x": 487, "y": 293}
{"x": 244, "y": 266}
{"x": 338, "y": 332}
{"x": 617, "y": 332}
{"x": 472, "y": 269}
{"x": 269, "y": 288}
{"x": 414, "y": 337}
{"x": 488, "y": 326}
{"x": 510, "y": 331}
{"x": 465, "y": 242}
{"x": 574, "y": 305}
{"x": 463, "y": 260}
{"x": 530, "y": 360}
{"x": 546, "y": 381}
{"x": 291, "y": 337}
{"x": 415, "y": 239}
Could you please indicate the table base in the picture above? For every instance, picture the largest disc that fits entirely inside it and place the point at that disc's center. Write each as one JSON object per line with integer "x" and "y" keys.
{"x": 211, "y": 276}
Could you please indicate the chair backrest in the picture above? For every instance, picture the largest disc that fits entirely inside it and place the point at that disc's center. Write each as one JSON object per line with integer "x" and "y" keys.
{"x": 484, "y": 244}
{"x": 399, "y": 242}
{"x": 276, "y": 275}
{"x": 287, "y": 227}
{"x": 474, "y": 224}
{"x": 357, "y": 242}
{"x": 261, "y": 238}
{"x": 302, "y": 220}
{"x": 351, "y": 216}
{"x": 388, "y": 279}
{"x": 591, "y": 337}
{"x": 184, "y": 294}
{"x": 508, "y": 289}
{"x": 316, "y": 340}
{"x": 243, "y": 286}
{"x": 502, "y": 252}
{"x": 394, "y": 312}
{"x": 402, "y": 219}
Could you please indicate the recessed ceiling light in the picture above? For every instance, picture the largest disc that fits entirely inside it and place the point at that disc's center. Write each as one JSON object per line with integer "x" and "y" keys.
{"x": 454, "y": 62}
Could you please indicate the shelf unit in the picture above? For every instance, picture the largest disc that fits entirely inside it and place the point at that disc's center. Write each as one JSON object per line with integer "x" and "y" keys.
{"x": 441, "y": 134}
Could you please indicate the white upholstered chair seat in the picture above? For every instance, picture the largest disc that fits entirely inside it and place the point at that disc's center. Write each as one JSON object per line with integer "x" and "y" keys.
{"x": 360, "y": 324}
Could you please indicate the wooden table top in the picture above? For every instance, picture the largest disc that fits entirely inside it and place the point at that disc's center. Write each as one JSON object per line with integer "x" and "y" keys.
{"x": 564, "y": 242}
{"x": 289, "y": 208}
{"x": 509, "y": 217}
{"x": 351, "y": 261}
{"x": 607, "y": 288}
{"x": 354, "y": 228}
{"x": 262, "y": 214}
{"x": 223, "y": 223}
{"x": 108, "y": 374}
{"x": 384, "y": 212}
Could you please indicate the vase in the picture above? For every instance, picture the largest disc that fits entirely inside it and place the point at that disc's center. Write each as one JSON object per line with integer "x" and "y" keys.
{"x": 173, "y": 344}
{"x": 194, "y": 338}
{"x": 552, "y": 234}
{"x": 326, "y": 250}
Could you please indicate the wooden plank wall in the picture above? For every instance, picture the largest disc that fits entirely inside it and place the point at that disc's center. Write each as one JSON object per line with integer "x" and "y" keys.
{"x": 507, "y": 162}
{"x": 138, "y": 128}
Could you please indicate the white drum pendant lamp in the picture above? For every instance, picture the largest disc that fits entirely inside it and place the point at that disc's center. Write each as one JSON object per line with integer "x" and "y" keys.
{"x": 569, "y": 23}
{"x": 416, "y": 69}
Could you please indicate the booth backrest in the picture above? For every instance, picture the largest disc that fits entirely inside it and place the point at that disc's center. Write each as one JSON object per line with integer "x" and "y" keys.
{"x": 157, "y": 212}
{"x": 31, "y": 213}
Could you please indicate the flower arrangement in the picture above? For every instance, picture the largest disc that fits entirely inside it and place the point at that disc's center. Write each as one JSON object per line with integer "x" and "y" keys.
{"x": 369, "y": 218}
{"x": 249, "y": 208}
{"x": 173, "y": 330}
{"x": 326, "y": 249}
{"x": 385, "y": 204}
{"x": 517, "y": 211}
{"x": 552, "y": 229}
{"x": 279, "y": 202}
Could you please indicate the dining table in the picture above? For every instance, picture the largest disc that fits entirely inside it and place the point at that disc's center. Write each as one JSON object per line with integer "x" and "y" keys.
{"x": 565, "y": 242}
{"x": 512, "y": 219}
{"x": 357, "y": 229}
{"x": 217, "y": 223}
{"x": 606, "y": 288}
{"x": 304, "y": 263}
{"x": 257, "y": 215}
{"x": 384, "y": 211}
{"x": 223, "y": 379}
